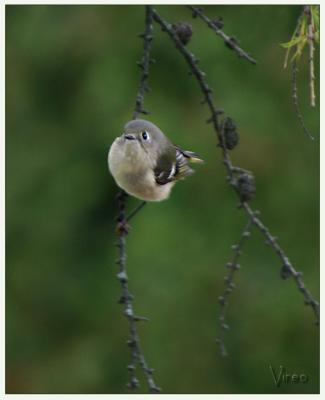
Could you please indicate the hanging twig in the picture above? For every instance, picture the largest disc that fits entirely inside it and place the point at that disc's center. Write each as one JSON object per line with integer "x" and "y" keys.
{"x": 311, "y": 38}
{"x": 232, "y": 266}
{"x": 137, "y": 355}
{"x": 127, "y": 299}
{"x": 230, "y": 42}
{"x": 287, "y": 269}
{"x": 294, "y": 84}
{"x": 144, "y": 65}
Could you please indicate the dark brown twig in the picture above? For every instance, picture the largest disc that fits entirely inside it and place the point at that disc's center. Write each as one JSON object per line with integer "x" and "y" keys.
{"x": 294, "y": 84}
{"x": 232, "y": 266}
{"x": 126, "y": 299}
{"x": 229, "y": 41}
{"x": 287, "y": 269}
{"x": 144, "y": 65}
{"x": 137, "y": 355}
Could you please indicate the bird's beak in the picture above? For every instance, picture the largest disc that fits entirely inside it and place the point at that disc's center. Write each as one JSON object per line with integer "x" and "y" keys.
{"x": 129, "y": 136}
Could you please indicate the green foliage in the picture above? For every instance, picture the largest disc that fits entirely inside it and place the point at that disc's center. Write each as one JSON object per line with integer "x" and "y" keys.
{"x": 71, "y": 80}
{"x": 300, "y": 36}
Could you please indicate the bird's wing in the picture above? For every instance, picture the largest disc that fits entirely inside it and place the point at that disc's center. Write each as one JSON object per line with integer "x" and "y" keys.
{"x": 172, "y": 167}
{"x": 166, "y": 167}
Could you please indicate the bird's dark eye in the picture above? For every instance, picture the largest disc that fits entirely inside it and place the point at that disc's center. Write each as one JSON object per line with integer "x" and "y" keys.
{"x": 145, "y": 135}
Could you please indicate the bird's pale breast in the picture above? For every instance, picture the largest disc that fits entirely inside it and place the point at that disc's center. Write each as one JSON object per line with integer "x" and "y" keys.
{"x": 133, "y": 172}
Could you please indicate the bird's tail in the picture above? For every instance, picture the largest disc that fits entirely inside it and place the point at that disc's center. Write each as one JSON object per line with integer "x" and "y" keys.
{"x": 191, "y": 156}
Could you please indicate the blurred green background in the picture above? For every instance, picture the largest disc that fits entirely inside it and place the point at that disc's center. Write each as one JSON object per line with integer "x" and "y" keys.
{"x": 71, "y": 81}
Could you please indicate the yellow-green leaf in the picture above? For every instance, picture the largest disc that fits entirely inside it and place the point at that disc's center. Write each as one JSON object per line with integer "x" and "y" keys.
{"x": 292, "y": 42}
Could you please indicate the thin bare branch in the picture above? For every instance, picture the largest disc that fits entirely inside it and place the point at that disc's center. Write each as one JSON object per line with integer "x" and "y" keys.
{"x": 230, "y": 42}
{"x": 311, "y": 38}
{"x": 144, "y": 65}
{"x": 127, "y": 300}
{"x": 137, "y": 355}
{"x": 232, "y": 266}
{"x": 287, "y": 269}
{"x": 294, "y": 84}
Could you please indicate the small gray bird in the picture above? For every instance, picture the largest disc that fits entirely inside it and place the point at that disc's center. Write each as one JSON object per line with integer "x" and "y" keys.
{"x": 145, "y": 163}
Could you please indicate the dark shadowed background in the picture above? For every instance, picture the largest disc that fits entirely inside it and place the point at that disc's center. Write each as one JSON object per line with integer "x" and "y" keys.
{"x": 71, "y": 81}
